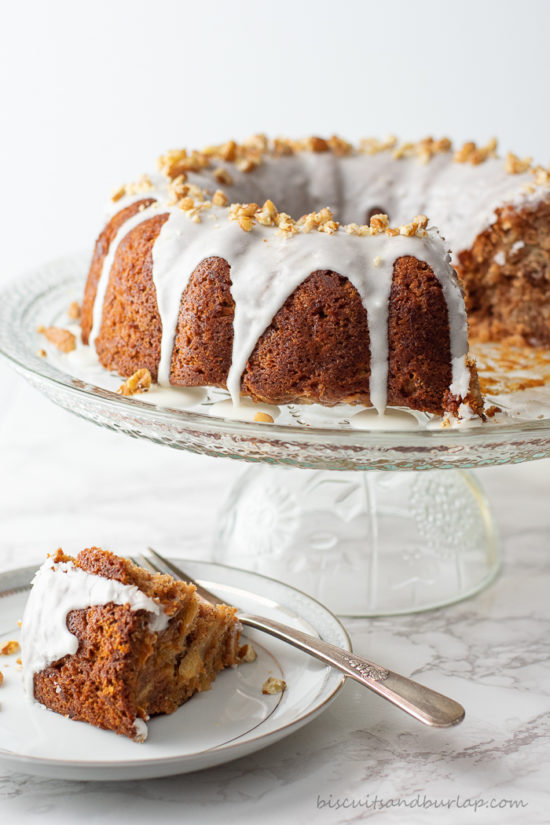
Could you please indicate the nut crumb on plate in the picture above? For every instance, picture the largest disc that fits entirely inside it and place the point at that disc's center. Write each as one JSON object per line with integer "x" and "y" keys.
{"x": 248, "y": 654}
{"x": 7, "y": 648}
{"x": 140, "y": 381}
{"x": 273, "y": 685}
{"x": 63, "y": 339}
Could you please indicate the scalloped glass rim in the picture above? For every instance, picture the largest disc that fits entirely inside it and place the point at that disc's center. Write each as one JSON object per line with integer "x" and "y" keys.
{"x": 26, "y": 302}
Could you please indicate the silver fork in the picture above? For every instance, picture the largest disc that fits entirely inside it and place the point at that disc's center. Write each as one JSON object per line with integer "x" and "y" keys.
{"x": 423, "y": 703}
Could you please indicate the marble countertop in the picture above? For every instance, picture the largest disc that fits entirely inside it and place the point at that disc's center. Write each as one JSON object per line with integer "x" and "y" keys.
{"x": 361, "y": 759}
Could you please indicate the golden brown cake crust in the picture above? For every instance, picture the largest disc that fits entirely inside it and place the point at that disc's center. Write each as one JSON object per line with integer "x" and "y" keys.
{"x": 130, "y": 333}
{"x": 122, "y": 670}
{"x": 101, "y": 250}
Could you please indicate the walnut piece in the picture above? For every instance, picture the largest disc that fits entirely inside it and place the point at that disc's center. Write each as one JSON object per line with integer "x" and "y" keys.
{"x": 248, "y": 654}
{"x": 74, "y": 311}
{"x": 223, "y": 176}
{"x": 63, "y": 339}
{"x": 7, "y": 648}
{"x": 515, "y": 166}
{"x": 273, "y": 685}
{"x": 140, "y": 381}
{"x": 219, "y": 198}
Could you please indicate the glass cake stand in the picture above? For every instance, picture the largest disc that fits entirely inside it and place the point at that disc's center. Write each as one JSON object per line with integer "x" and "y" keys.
{"x": 358, "y": 526}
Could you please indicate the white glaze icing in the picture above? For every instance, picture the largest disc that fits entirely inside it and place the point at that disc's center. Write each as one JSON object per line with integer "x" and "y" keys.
{"x": 392, "y": 419}
{"x": 246, "y": 410}
{"x": 56, "y": 590}
{"x": 267, "y": 268}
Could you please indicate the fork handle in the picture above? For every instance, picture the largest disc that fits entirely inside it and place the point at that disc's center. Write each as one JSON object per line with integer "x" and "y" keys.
{"x": 426, "y": 705}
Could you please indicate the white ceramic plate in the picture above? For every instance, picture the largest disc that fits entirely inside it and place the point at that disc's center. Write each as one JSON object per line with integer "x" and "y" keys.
{"x": 231, "y": 720}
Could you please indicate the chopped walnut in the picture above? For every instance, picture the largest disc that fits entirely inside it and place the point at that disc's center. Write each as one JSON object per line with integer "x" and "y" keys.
{"x": 379, "y": 223}
{"x": 118, "y": 193}
{"x": 258, "y": 142}
{"x": 140, "y": 381}
{"x": 417, "y": 227}
{"x": 248, "y": 654}
{"x": 64, "y": 340}
{"x": 316, "y": 144}
{"x": 245, "y": 223}
{"x": 281, "y": 147}
{"x": 339, "y": 147}
{"x": 273, "y": 685}
{"x": 372, "y": 146}
{"x": 186, "y": 204}
{"x": 355, "y": 229}
{"x": 178, "y": 161}
{"x": 322, "y": 221}
{"x": 195, "y": 192}
{"x": 74, "y": 310}
{"x": 143, "y": 184}
{"x": 287, "y": 225}
{"x": 264, "y": 418}
{"x": 542, "y": 176}
{"x": 469, "y": 152}
{"x": 227, "y": 150}
{"x": 246, "y": 165}
{"x": 7, "y": 648}
{"x": 219, "y": 198}
{"x": 268, "y": 214}
{"x": 177, "y": 189}
{"x": 223, "y": 176}
{"x": 515, "y": 166}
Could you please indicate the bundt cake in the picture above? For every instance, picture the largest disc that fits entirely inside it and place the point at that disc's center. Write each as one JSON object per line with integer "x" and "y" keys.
{"x": 107, "y": 642}
{"x": 203, "y": 287}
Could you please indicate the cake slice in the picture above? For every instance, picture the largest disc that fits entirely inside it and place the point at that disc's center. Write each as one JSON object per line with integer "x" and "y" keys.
{"x": 107, "y": 642}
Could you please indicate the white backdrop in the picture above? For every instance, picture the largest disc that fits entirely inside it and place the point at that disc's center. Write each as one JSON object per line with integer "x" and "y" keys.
{"x": 93, "y": 92}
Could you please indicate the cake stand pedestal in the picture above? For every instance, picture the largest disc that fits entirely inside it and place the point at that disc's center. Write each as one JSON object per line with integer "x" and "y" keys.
{"x": 363, "y": 543}
{"x": 358, "y": 524}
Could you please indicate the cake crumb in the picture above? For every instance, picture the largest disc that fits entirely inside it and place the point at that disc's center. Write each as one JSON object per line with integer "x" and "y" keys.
{"x": 377, "y": 261}
{"x": 63, "y": 339}
{"x": 248, "y": 654}
{"x": 19, "y": 623}
{"x": 1, "y": 677}
{"x": 140, "y": 381}
{"x": 41, "y": 353}
{"x": 273, "y": 685}
{"x": 492, "y": 411}
{"x": 7, "y": 648}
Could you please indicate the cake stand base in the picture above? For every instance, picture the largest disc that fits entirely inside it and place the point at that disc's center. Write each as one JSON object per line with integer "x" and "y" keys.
{"x": 364, "y": 543}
